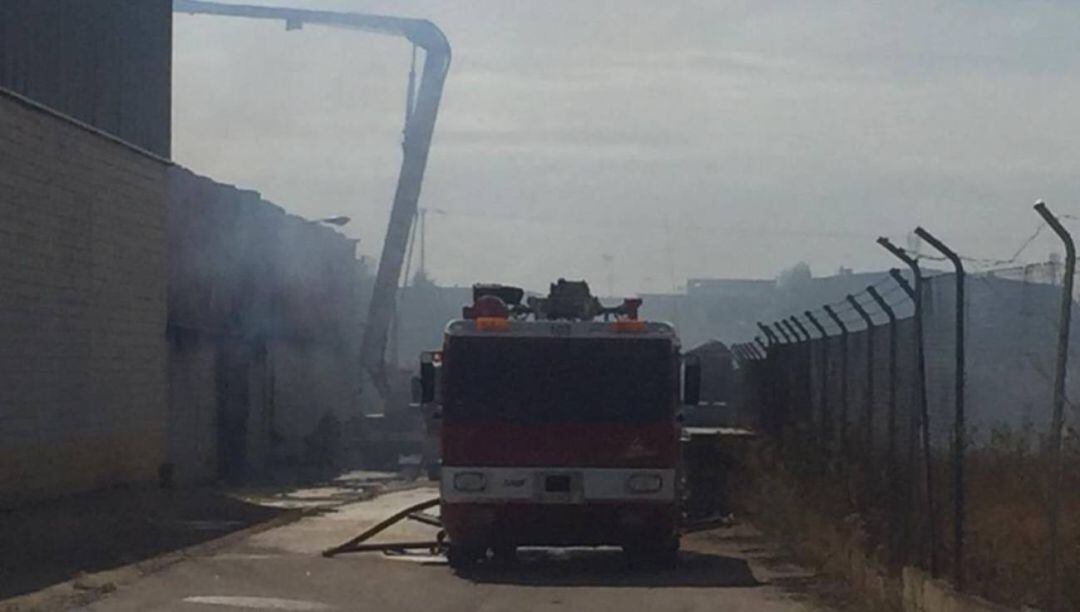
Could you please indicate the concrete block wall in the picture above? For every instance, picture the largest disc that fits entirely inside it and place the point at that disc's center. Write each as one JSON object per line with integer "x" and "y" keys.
{"x": 82, "y": 306}
{"x": 312, "y": 382}
{"x": 193, "y": 419}
{"x": 265, "y": 318}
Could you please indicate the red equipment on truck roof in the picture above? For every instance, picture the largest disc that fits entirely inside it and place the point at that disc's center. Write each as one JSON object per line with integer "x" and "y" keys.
{"x": 559, "y": 424}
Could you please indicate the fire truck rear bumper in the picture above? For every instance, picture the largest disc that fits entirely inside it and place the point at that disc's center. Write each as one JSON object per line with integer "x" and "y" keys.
{"x": 558, "y": 506}
{"x": 539, "y": 524}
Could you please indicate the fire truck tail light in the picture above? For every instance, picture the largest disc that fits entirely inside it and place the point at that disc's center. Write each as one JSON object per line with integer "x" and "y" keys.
{"x": 492, "y": 324}
{"x": 645, "y": 483}
{"x": 628, "y": 325}
{"x": 470, "y": 482}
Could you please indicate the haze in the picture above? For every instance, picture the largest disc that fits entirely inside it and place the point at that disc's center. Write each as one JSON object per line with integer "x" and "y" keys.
{"x": 697, "y": 139}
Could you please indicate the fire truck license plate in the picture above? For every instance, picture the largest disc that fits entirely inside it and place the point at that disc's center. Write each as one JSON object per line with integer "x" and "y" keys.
{"x": 565, "y": 488}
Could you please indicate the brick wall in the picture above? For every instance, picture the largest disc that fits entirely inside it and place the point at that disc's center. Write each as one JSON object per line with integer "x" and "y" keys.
{"x": 82, "y": 306}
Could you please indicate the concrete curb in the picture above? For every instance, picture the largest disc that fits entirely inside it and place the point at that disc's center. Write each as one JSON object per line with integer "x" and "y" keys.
{"x": 84, "y": 589}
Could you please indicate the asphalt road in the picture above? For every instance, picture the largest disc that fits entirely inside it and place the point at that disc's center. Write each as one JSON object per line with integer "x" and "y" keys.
{"x": 281, "y": 569}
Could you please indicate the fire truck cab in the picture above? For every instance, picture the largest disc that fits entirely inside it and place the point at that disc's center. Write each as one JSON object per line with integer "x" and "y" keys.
{"x": 559, "y": 425}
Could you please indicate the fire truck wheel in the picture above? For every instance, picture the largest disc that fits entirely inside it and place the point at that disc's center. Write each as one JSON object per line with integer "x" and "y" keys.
{"x": 461, "y": 556}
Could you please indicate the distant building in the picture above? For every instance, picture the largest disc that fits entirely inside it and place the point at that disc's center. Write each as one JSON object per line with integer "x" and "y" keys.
{"x": 712, "y": 308}
{"x": 107, "y": 63}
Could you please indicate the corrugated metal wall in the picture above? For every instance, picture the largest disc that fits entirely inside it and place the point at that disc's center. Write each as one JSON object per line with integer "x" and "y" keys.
{"x": 105, "y": 62}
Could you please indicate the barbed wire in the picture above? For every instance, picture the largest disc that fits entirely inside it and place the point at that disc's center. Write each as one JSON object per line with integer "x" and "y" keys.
{"x": 988, "y": 261}
{"x": 844, "y": 309}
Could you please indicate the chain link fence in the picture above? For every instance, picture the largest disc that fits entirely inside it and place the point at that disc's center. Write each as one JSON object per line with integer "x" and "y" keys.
{"x": 962, "y": 490}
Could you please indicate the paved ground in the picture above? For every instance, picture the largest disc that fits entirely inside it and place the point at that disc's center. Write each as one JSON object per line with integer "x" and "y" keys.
{"x": 732, "y": 570}
{"x": 51, "y": 542}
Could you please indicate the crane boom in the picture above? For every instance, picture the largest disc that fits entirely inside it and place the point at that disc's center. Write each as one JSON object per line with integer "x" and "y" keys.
{"x": 419, "y": 128}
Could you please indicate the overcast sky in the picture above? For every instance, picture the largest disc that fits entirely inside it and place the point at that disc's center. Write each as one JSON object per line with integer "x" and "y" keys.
{"x": 682, "y": 139}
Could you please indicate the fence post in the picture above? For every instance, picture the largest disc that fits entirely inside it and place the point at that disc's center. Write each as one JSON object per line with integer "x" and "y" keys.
{"x": 1058, "y": 423}
{"x": 795, "y": 367}
{"x": 798, "y": 325}
{"x": 770, "y": 337}
{"x": 869, "y": 378}
{"x": 891, "y": 472}
{"x": 959, "y": 431}
{"x": 807, "y": 357}
{"x": 843, "y": 380}
{"x": 780, "y": 328}
{"x": 768, "y": 380}
{"x": 740, "y": 355}
{"x": 924, "y": 411}
{"x": 762, "y": 345}
{"x": 755, "y": 352}
{"x": 790, "y": 330}
{"x": 826, "y": 411}
{"x": 782, "y": 376}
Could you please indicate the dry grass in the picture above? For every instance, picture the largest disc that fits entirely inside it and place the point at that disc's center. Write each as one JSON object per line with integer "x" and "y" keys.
{"x": 1007, "y": 543}
{"x": 1006, "y": 556}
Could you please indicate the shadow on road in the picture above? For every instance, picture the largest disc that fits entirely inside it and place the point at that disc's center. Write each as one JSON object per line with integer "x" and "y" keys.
{"x": 609, "y": 567}
{"x": 51, "y": 542}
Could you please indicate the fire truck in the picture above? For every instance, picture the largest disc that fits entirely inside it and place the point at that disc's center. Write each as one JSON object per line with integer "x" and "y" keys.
{"x": 559, "y": 425}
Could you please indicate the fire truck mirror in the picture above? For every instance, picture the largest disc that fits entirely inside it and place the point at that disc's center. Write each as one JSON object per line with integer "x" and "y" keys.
{"x": 691, "y": 380}
{"x": 427, "y": 382}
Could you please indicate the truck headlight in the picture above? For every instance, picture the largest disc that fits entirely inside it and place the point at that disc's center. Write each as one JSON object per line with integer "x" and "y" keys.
{"x": 644, "y": 483}
{"x": 470, "y": 481}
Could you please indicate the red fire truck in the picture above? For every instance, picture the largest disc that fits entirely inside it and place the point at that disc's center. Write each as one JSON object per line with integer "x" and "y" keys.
{"x": 559, "y": 425}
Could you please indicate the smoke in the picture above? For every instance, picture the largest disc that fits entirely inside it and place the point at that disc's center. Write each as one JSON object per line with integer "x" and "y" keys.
{"x": 764, "y": 133}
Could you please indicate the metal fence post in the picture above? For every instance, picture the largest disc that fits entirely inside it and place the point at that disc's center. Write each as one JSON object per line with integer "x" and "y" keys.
{"x": 924, "y": 411}
{"x": 826, "y": 415}
{"x": 806, "y": 376}
{"x": 891, "y": 471}
{"x": 798, "y": 325}
{"x": 959, "y": 431}
{"x": 780, "y": 328}
{"x": 843, "y": 380}
{"x": 740, "y": 353}
{"x": 805, "y": 357}
{"x": 782, "y": 377}
{"x": 791, "y": 330}
{"x": 1058, "y": 422}
{"x": 755, "y": 352}
{"x": 770, "y": 336}
{"x": 768, "y": 380}
{"x": 796, "y": 363}
{"x": 869, "y": 377}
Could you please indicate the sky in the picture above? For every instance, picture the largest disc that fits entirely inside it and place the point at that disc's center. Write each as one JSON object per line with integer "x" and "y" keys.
{"x": 638, "y": 143}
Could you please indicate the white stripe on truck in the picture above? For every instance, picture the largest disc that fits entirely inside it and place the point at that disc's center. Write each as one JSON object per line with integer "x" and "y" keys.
{"x": 530, "y": 484}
